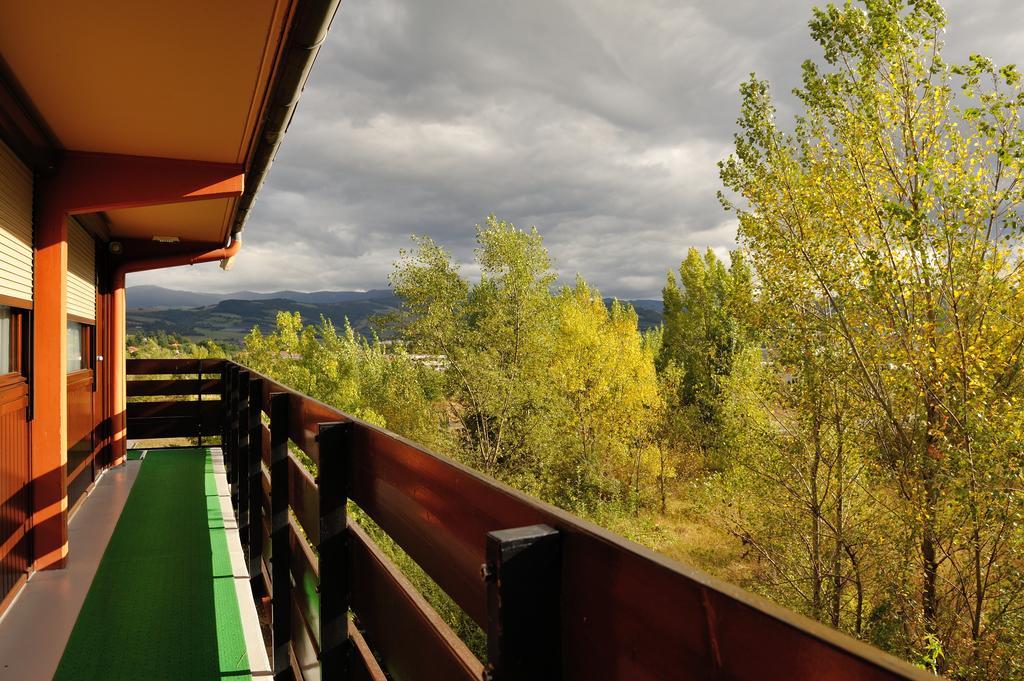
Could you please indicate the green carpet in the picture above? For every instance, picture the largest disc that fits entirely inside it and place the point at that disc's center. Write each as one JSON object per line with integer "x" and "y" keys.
{"x": 162, "y": 604}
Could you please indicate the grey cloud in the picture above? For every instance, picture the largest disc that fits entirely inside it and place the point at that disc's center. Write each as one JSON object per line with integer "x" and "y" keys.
{"x": 598, "y": 121}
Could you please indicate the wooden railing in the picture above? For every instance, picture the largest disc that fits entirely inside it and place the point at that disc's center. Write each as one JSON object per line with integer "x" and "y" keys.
{"x": 558, "y": 597}
{"x": 179, "y": 399}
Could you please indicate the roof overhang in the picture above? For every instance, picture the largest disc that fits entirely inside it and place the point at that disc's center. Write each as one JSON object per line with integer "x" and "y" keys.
{"x": 191, "y": 80}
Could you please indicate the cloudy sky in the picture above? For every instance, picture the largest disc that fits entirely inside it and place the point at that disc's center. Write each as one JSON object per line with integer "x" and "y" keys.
{"x": 598, "y": 121}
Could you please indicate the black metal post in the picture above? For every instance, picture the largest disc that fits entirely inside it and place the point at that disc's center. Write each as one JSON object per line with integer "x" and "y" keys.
{"x": 231, "y": 445}
{"x": 226, "y": 396}
{"x": 523, "y": 574}
{"x": 240, "y": 490}
{"x": 236, "y": 399}
{"x": 334, "y": 441}
{"x": 253, "y": 536}
{"x": 281, "y": 598}
{"x": 199, "y": 407}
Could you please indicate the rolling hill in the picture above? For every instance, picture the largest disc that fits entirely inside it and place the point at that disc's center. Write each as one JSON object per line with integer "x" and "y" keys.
{"x": 158, "y": 297}
{"x": 227, "y": 317}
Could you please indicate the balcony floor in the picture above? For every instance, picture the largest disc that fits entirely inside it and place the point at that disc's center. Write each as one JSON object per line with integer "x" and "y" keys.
{"x": 168, "y": 600}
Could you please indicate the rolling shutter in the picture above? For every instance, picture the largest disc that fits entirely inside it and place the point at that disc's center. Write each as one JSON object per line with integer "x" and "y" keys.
{"x": 16, "y": 255}
{"x": 81, "y": 272}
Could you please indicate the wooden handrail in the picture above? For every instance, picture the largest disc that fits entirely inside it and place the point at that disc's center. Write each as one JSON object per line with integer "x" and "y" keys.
{"x": 591, "y": 604}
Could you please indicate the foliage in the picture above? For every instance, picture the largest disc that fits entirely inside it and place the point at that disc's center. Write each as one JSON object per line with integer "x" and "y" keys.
{"x": 703, "y": 329}
{"x": 885, "y": 234}
{"x": 553, "y": 392}
{"x": 490, "y": 337}
{"x": 379, "y": 383}
{"x": 163, "y": 346}
{"x": 602, "y": 403}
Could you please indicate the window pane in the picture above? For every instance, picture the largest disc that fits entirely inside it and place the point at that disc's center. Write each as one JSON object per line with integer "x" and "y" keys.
{"x": 75, "y": 347}
{"x": 5, "y": 340}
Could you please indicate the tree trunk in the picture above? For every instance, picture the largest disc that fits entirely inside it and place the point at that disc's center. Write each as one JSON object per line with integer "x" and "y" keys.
{"x": 859, "y": 586}
{"x": 837, "y": 576}
{"x": 929, "y": 540}
{"x": 816, "y": 522}
{"x": 661, "y": 452}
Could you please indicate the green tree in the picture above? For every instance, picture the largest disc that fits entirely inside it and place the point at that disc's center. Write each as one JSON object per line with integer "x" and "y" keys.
{"x": 163, "y": 346}
{"x": 798, "y": 490}
{"x": 703, "y": 329}
{"x": 554, "y": 393}
{"x": 891, "y": 216}
{"x": 491, "y": 337}
{"x": 604, "y": 402}
{"x": 379, "y": 383}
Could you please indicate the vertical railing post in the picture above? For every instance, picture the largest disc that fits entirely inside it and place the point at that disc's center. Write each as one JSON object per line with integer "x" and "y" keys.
{"x": 199, "y": 407}
{"x": 254, "y": 479}
{"x": 523, "y": 575}
{"x": 281, "y": 596}
{"x": 230, "y": 419}
{"x": 236, "y": 375}
{"x": 224, "y": 410}
{"x": 332, "y": 484}
{"x": 240, "y": 490}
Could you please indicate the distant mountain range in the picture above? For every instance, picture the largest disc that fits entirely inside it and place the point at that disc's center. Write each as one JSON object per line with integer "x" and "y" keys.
{"x": 227, "y": 317}
{"x": 158, "y": 297}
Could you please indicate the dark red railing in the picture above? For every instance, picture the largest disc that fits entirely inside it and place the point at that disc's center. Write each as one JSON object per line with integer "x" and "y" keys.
{"x": 558, "y": 597}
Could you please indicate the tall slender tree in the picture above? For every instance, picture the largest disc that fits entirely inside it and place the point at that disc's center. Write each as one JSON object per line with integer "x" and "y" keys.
{"x": 703, "y": 329}
{"x": 892, "y": 214}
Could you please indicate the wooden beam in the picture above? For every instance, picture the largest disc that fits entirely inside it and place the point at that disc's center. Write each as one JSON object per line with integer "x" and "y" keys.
{"x": 85, "y": 183}
{"x": 91, "y": 182}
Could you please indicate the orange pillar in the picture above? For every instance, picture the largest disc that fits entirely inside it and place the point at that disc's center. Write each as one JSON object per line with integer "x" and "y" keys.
{"x": 87, "y": 183}
{"x": 118, "y": 370}
{"x": 117, "y": 322}
{"x": 49, "y": 387}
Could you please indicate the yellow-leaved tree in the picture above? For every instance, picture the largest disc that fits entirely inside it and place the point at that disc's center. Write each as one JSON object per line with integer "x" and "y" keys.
{"x": 891, "y": 217}
{"x": 604, "y": 400}
{"x": 553, "y": 392}
{"x": 379, "y": 383}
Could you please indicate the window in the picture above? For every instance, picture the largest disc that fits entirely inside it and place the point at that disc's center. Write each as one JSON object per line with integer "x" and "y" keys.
{"x": 13, "y": 322}
{"x": 7, "y": 360}
{"x": 79, "y": 347}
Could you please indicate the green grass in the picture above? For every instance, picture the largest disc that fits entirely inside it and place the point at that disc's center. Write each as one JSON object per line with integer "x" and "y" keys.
{"x": 162, "y": 604}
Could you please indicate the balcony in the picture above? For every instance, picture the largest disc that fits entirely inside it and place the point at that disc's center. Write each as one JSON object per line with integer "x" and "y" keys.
{"x": 558, "y": 598}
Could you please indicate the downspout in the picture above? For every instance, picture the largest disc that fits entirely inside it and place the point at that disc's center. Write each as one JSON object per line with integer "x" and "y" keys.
{"x": 116, "y": 367}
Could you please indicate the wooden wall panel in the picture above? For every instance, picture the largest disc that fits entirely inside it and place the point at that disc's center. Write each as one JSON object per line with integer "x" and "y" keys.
{"x": 81, "y": 279}
{"x": 80, "y": 468}
{"x": 80, "y": 407}
{"x": 14, "y": 479}
{"x": 16, "y": 255}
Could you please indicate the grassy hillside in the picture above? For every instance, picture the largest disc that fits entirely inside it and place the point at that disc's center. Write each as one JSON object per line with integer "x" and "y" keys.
{"x": 229, "y": 320}
{"x": 153, "y": 309}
